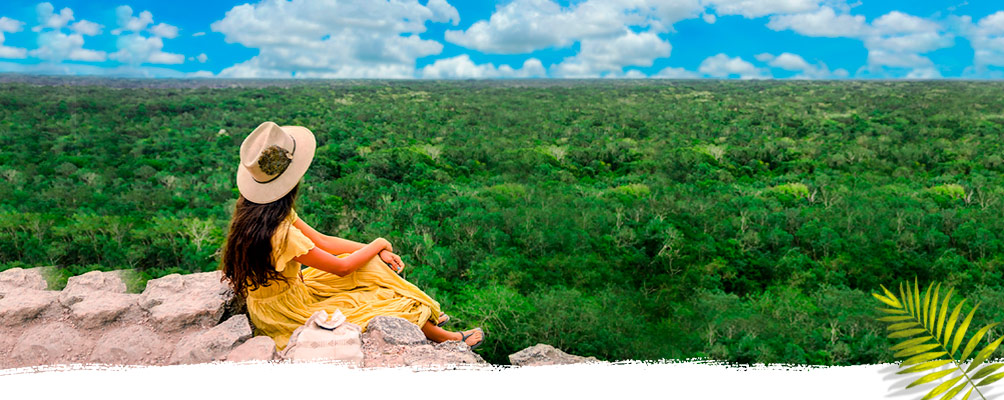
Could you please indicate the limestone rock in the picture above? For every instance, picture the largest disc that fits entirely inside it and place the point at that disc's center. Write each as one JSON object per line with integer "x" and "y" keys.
{"x": 178, "y": 301}
{"x": 213, "y": 344}
{"x": 100, "y": 308}
{"x": 50, "y": 343}
{"x": 132, "y": 344}
{"x": 396, "y": 331}
{"x": 258, "y": 348}
{"x": 80, "y": 286}
{"x": 31, "y": 278}
{"x": 395, "y": 342}
{"x": 21, "y": 305}
{"x": 446, "y": 353}
{"x": 542, "y": 354}
{"x": 340, "y": 341}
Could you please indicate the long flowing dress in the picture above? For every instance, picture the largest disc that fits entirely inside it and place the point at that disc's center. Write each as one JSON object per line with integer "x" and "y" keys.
{"x": 373, "y": 289}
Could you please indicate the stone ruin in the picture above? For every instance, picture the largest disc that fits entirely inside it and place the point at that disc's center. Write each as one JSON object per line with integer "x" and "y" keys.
{"x": 188, "y": 319}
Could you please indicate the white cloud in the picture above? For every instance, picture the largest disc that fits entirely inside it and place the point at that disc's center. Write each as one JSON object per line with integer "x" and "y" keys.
{"x": 48, "y": 19}
{"x": 795, "y": 63}
{"x": 634, "y": 74}
{"x": 896, "y": 22}
{"x": 598, "y": 56}
{"x": 675, "y": 73}
{"x": 200, "y": 74}
{"x": 164, "y": 30}
{"x": 8, "y": 25}
{"x": 709, "y": 18}
{"x": 789, "y": 61}
{"x": 923, "y": 73}
{"x": 127, "y": 71}
{"x": 897, "y": 40}
{"x": 85, "y": 27}
{"x": 461, "y": 67}
{"x": 129, "y": 23}
{"x": 197, "y": 34}
{"x": 523, "y": 26}
{"x": 987, "y": 38}
{"x": 332, "y": 39}
{"x": 823, "y": 22}
{"x": 759, "y": 8}
{"x": 723, "y": 66}
{"x": 202, "y": 57}
{"x": 57, "y": 46}
{"x": 443, "y": 12}
{"x": 893, "y": 40}
{"x": 135, "y": 49}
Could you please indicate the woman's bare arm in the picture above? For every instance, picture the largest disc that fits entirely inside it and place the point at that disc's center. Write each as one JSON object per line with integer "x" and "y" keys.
{"x": 325, "y": 261}
{"x": 330, "y": 244}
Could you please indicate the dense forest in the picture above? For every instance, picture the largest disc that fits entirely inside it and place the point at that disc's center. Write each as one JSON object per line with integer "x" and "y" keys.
{"x": 739, "y": 221}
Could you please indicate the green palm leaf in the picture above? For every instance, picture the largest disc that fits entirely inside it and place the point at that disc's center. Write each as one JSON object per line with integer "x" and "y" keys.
{"x": 928, "y": 341}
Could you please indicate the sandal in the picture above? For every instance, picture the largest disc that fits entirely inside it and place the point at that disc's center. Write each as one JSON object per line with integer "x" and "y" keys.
{"x": 443, "y": 322}
{"x": 463, "y": 337}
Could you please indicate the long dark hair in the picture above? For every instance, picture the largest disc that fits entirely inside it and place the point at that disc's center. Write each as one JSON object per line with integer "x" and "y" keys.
{"x": 247, "y": 255}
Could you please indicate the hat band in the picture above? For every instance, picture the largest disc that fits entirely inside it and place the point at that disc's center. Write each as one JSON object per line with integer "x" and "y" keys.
{"x": 283, "y": 168}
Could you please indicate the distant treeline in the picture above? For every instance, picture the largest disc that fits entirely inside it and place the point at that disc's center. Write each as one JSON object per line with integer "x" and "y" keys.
{"x": 744, "y": 221}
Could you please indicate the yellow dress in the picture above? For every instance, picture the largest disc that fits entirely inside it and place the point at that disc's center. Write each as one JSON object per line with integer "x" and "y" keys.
{"x": 373, "y": 289}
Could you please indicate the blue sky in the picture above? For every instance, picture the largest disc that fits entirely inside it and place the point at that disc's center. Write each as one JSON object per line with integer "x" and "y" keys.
{"x": 738, "y": 39}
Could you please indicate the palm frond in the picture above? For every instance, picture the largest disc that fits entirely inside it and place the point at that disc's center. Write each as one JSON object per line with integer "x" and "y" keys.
{"x": 927, "y": 340}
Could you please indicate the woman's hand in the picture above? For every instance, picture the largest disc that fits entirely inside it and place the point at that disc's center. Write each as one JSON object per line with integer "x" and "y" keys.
{"x": 383, "y": 243}
{"x": 392, "y": 260}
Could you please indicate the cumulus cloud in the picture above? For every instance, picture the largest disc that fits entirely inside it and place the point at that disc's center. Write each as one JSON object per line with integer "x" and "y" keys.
{"x": 56, "y": 46}
{"x": 893, "y": 40}
{"x": 8, "y": 25}
{"x": 126, "y": 71}
{"x": 86, "y": 28}
{"x": 675, "y": 73}
{"x": 47, "y": 18}
{"x": 759, "y": 8}
{"x": 141, "y": 41}
{"x": 523, "y": 26}
{"x": 987, "y": 38}
{"x": 461, "y": 67}
{"x": 723, "y": 66}
{"x": 136, "y": 49}
{"x": 129, "y": 23}
{"x": 823, "y": 22}
{"x": 611, "y": 55}
{"x": 332, "y": 39}
{"x": 794, "y": 62}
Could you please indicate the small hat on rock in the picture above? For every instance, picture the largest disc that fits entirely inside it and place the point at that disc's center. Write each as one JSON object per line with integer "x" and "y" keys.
{"x": 273, "y": 159}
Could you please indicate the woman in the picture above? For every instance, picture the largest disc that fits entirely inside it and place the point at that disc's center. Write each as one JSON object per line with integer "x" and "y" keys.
{"x": 267, "y": 244}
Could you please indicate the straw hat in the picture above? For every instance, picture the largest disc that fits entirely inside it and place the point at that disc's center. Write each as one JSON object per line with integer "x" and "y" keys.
{"x": 273, "y": 159}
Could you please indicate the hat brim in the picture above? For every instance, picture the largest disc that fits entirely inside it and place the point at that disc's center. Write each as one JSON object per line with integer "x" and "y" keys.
{"x": 268, "y": 192}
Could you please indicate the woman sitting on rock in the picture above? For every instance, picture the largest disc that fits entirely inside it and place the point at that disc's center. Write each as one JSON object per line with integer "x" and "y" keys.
{"x": 267, "y": 244}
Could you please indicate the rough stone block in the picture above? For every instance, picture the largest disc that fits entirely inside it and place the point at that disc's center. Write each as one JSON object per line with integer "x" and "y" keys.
{"x": 132, "y": 344}
{"x": 100, "y": 308}
{"x": 50, "y": 343}
{"x": 213, "y": 344}
{"x": 178, "y": 301}
{"x": 543, "y": 354}
{"x": 258, "y": 348}
{"x": 22, "y": 305}
{"x": 396, "y": 331}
